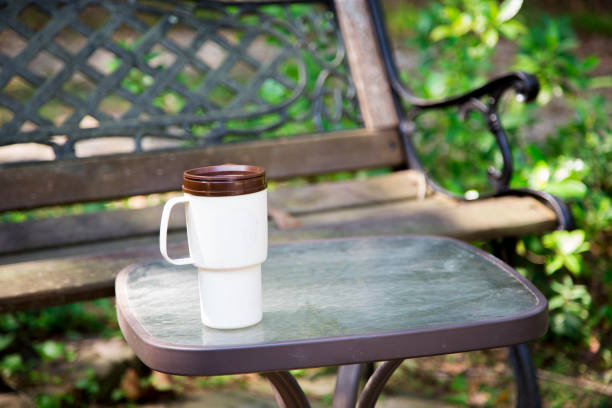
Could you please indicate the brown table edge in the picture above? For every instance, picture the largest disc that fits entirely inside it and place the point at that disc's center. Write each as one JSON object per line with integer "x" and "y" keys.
{"x": 339, "y": 350}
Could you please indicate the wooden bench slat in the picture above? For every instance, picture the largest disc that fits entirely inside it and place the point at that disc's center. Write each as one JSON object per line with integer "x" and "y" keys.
{"x": 477, "y": 220}
{"x": 399, "y": 185}
{"x": 52, "y": 232}
{"x": 85, "y": 272}
{"x": 89, "y": 250}
{"x": 352, "y": 205}
{"x": 42, "y": 278}
{"x": 375, "y": 101}
{"x": 84, "y": 228}
{"x": 358, "y": 202}
{"x": 100, "y": 178}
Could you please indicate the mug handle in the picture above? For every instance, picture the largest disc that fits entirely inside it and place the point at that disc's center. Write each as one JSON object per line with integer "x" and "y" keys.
{"x": 163, "y": 231}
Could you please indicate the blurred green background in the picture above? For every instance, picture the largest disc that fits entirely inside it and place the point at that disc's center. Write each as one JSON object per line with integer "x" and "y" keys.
{"x": 561, "y": 144}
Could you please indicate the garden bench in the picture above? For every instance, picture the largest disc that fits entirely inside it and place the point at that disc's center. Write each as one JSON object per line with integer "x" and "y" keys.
{"x": 301, "y": 90}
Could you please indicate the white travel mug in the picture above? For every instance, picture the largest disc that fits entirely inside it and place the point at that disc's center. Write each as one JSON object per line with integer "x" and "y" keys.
{"x": 227, "y": 232}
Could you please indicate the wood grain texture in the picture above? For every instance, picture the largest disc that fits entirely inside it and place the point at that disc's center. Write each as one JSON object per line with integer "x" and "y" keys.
{"x": 100, "y": 178}
{"x": 85, "y": 272}
{"x": 476, "y": 220}
{"x": 47, "y": 277}
{"x": 84, "y": 228}
{"x": 367, "y": 68}
{"x": 353, "y": 204}
{"x": 395, "y": 186}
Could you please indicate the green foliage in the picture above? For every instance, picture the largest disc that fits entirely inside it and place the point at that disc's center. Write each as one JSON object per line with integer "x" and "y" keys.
{"x": 456, "y": 44}
{"x": 54, "y": 400}
{"x": 460, "y": 392}
{"x": 547, "y": 51}
{"x": 33, "y": 342}
{"x": 88, "y": 384}
{"x": 571, "y": 303}
{"x": 456, "y": 41}
{"x": 50, "y": 350}
{"x": 74, "y": 320}
{"x": 11, "y": 364}
{"x": 565, "y": 247}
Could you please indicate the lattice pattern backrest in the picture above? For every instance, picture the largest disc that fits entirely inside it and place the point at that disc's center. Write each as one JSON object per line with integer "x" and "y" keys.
{"x": 192, "y": 73}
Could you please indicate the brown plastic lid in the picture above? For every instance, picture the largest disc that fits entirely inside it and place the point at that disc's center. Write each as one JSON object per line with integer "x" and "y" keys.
{"x": 224, "y": 180}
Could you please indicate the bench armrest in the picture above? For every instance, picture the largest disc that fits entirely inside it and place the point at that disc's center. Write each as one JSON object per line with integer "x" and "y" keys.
{"x": 526, "y": 86}
{"x": 485, "y": 100}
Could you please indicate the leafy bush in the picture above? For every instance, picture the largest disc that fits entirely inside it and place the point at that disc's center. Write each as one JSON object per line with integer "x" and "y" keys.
{"x": 456, "y": 44}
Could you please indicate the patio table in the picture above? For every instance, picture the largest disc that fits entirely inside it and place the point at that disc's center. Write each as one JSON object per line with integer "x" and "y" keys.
{"x": 335, "y": 302}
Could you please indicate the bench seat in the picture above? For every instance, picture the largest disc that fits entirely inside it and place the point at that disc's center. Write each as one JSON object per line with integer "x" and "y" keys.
{"x": 374, "y": 206}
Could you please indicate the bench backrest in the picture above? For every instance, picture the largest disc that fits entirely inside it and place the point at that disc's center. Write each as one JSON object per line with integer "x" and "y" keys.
{"x": 173, "y": 84}
{"x": 181, "y": 85}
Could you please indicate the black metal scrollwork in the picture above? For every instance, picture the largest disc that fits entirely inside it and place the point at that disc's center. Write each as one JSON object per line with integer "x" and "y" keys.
{"x": 484, "y": 100}
{"x": 526, "y": 87}
{"x": 197, "y": 72}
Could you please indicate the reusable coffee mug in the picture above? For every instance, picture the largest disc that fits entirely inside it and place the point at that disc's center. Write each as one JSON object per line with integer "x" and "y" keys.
{"x": 227, "y": 232}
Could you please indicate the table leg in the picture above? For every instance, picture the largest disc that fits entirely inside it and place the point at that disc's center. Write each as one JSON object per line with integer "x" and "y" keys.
{"x": 527, "y": 391}
{"x": 347, "y": 386}
{"x": 288, "y": 392}
{"x": 367, "y": 370}
{"x": 376, "y": 383}
{"x": 528, "y": 394}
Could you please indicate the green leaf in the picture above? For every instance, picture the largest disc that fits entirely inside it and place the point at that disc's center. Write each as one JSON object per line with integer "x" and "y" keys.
{"x": 12, "y": 363}
{"x": 508, "y": 9}
{"x": 535, "y": 153}
{"x": 440, "y": 32}
{"x": 560, "y": 287}
{"x": 272, "y": 91}
{"x": 568, "y": 242}
{"x": 590, "y": 63}
{"x": 117, "y": 394}
{"x": 566, "y": 188}
{"x": 540, "y": 175}
{"x": 89, "y": 385}
{"x": 113, "y": 64}
{"x": 150, "y": 55}
{"x": 6, "y": 340}
{"x": 490, "y": 37}
{"x": 51, "y": 350}
{"x": 298, "y": 373}
{"x": 459, "y": 383}
{"x": 435, "y": 85}
{"x": 47, "y": 401}
{"x": 512, "y": 29}
{"x": 461, "y": 25}
{"x": 573, "y": 264}
{"x": 601, "y": 82}
{"x": 556, "y": 302}
{"x": 608, "y": 275}
{"x": 554, "y": 265}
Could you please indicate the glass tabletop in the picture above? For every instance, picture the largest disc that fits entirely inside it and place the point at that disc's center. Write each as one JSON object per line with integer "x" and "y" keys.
{"x": 345, "y": 287}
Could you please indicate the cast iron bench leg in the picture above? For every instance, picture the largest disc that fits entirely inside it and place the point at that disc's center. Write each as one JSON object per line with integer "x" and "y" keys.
{"x": 527, "y": 391}
{"x": 288, "y": 392}
{"x": 367, "y": 371}
{"x": 528, "y": 394}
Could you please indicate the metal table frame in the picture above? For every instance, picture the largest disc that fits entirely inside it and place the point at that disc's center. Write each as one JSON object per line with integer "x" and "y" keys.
{"x": 274, "y": 359}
